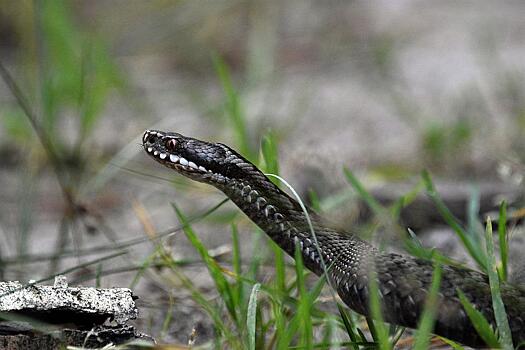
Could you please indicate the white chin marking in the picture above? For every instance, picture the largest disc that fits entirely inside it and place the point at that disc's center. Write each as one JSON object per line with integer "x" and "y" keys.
{"x": 182, "y": 161}
{"x": 193, "y": 165}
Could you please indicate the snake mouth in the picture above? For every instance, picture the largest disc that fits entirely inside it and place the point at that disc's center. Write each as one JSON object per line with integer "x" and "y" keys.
{"x": 163, "y": 148}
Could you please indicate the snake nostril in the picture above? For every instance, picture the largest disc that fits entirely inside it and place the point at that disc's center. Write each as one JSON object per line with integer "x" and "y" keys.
{"x": 150, "y": 138}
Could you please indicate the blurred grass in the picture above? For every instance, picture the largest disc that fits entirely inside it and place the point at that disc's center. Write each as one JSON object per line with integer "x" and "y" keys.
{"x": 378, "y": 328}
{"x": 479, "y": 322}
{"x": 428, "y": 317}
{"x": 503, "y": 242}
{"x": 286, "y": 315}
{"x": 440, "y": 142}
{"x": 76, "y": 77}
{"x": 505, "y": 336}
{"x": 470, "y": 240}
{"x": 234, "y": 109}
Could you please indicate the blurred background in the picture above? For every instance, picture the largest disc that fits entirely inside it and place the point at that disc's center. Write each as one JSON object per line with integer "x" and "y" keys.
{"x": 383, "y": 88}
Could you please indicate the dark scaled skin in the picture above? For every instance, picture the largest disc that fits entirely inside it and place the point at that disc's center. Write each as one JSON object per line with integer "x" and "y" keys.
{"x": 404, "y": 281}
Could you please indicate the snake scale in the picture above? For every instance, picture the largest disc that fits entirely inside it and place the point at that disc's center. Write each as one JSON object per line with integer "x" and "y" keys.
{"x": 403, "y": 281}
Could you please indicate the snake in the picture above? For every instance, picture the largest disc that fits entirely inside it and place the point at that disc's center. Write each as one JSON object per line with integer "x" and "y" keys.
{"x": 403, "y": 282}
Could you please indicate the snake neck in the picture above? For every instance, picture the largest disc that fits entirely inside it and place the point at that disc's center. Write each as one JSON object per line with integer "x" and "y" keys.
{"x": 283, "y": 219}
{"x": 265, "y": 204}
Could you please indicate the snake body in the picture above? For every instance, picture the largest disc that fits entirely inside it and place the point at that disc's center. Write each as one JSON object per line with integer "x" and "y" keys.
{"x": 403, "y": 281}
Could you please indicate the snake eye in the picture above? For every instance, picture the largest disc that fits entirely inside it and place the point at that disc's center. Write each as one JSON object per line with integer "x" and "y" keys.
{"x": 171, "y": 144}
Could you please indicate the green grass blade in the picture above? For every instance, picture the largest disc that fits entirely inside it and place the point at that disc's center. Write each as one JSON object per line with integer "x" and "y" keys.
{"x": 316, "y": 290}
{"x": 222, "y": 285}
{"x": 406, "y": 199}
{"x": 196, "y": 295}
{"x": 286, "y": 331}
{"x": 415, "y": 248}
{"x": 278, "y": 316}
{"x": 251, "y": 316}
{"x": 347, "y": 321}
{"x": 234, "y": 108}
{"x": 255, "y": 261}
{"x": 363, "y": 336}
{"x": 270, "y": 152}
{"x": 290, "y": 330}
{"x": 473, "y": 225}
{"x": 304, "y": 311}
{"x": 475, "y": 251}
{"x": 426, "y": 324}
{"x": 314, "y": 200}
{"x": 328, "y": 333}
{"x": 372, "y": 329}
{"x": 289, "y": 334}
{"x": 381, "y": 330}
{"x": 312, "y": 231}
{"x": 280, "y": 267}
{"x": 143, "y": 268}
{"x": 479, "y": 322}
{"x": 452, "y": 344}
{"x": 397, "y": 336}
{"x": 237, "y": 266}
{"x": 503, "y": 243}
{"x": 167, "y": 319}
{"x": 497, "y": 303}
{"x": 305, "y": 302}
{"x": 376, "y": 207}
{"x": 308, "y": 221}
{"x": 335, "y": 345}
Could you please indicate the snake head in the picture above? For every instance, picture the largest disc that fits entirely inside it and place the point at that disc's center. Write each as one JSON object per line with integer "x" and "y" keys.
{"x": 199, "y": 160}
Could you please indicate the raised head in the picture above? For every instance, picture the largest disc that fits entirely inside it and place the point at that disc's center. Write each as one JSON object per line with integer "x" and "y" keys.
{"x": 202, "y": 161}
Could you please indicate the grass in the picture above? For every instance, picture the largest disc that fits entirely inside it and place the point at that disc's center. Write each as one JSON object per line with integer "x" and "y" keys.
{"x": 378, "y": 329}
{"x": 299, "y": 330}
{"x": 251, "y": 317}
{"x": 481, "y": 325}
{"x": 75, "y": 79}
{"x": 291, "y": 318}
{"x": 499, "y": 309}
{"x": 233, "y": 109}
{"x": 427, "y": 321}
{"x": 283, "y": 311}
{"x": 503, "y": 241}
{"x": 469, "y": 239}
